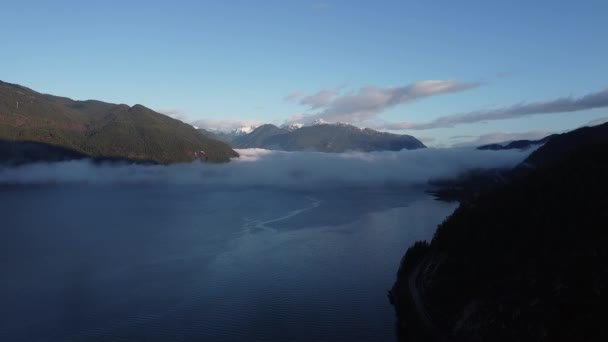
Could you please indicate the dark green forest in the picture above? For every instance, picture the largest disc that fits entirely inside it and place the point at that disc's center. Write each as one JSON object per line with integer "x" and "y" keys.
{"x": 98, "y": 130}
{"x": 524, "y": 261}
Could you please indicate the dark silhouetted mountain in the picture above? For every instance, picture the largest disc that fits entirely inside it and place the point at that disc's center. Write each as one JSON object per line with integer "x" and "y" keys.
{"x": 101, "y": 130}
{"x": 525, "y": 261}
{"x": 473, "y": 182}
{"x": 516, "y": 144}
{"x": 566, "y": 144}
{"x": 325, "y": 138}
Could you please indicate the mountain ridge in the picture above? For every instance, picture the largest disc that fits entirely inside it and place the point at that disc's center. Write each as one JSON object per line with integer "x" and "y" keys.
{"x": 325, "y": 137}
{"x": 102, "y": 130}
{"x": 523, "y": 261}
{"x": 516, "y": 144}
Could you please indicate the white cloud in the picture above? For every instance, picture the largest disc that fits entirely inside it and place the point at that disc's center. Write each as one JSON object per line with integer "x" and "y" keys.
{"x": 295, "y": 170}
{"x": 225, "y": 125}
{"x": 426, "y": 140}
{"x": 320, "y": 99}
{"x": 561, "y": 105}
{"x": 368, "y": 102}
{"x": 294, "y": 96}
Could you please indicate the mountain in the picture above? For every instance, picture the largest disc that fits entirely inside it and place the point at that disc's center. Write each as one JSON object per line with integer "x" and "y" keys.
{"x": 525, "y": 261}
{"x": 564, "y": 145}
{"x": 99, "y": 130}
{"x": 473, "y": 182}
{"x": 516, "y": 144}
{"x": 325, "y": 138}
{"x": 293, "y": 126}
{"x": 259, "y": 137}
{"x": 226, "y": 136}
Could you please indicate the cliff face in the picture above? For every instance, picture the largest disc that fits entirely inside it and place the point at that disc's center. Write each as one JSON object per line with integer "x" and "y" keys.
{"x": 526, "y": 261}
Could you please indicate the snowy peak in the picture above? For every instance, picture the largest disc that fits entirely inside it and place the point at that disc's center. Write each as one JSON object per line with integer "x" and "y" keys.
{"x": 244, "y": 130}
{"x": 323, "y": 136}
{"x": 319, "y": 122}
{"x": 234, "y": 132}
{"x": 292, "y": 127}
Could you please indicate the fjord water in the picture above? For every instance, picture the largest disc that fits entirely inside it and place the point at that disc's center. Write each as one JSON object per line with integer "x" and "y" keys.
{"x": 166, "y": 262}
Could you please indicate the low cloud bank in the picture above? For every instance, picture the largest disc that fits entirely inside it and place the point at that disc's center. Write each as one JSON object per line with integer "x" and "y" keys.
{"x": 298, "y": 170}
{"x": 225, "y": 125}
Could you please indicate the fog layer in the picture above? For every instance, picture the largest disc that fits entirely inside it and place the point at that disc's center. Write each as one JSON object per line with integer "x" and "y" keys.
{"x": 258, "y": 167}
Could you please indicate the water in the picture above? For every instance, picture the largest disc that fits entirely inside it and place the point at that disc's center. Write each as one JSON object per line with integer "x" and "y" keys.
{"x": 183, "y": 263}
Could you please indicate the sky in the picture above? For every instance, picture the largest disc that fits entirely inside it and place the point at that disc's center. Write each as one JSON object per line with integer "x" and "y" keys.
{"x": 447, "y": 72}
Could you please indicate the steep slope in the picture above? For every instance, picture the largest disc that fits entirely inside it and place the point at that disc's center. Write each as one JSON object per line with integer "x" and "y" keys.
{"x": 523, "y": 262}
{"x": 326, "y": 138}
{"x": 516, "y": 144}
{"x": 259, "y": 137}
{"x": 211, "y": 135}
{"x": 221, "y": 136}
{"x": 226, "y": 136}
{"x": 564, "y": 145}
{"x": 101, "y": 130}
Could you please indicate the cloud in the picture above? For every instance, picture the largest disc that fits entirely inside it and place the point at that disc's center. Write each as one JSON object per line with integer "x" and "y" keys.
{"x": 225, "y": 125}
{"x": 300, "y": 117}
{"x": 291, "y": 170}
{"x": 561, "y": 105}
{"x": 294, "y": 96}
{"x": 368, "y": 102}
{"x": 498, "y": 137}
{"x": 320, "y": 99}
{"x": 462, "y": 137}
{"x": 427, "y": 139}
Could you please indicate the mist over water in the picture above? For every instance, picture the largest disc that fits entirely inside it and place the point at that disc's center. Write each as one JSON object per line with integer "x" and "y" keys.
{"x": 257, "y": 167}
{"x": 275, "y": 246}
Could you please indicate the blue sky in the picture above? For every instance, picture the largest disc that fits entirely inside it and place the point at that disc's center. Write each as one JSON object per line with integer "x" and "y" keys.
{"x": 382, "y": 64}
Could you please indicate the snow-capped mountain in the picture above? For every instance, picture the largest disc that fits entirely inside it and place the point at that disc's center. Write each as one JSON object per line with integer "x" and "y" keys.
{"x": 243, "y": 130}
{"x": 323, "y": 136}
{"x": 292, "y": 127}
{"x": 317, "y": 122}
{"x": 227, "y": 135}
{"x": 319, "y": 135}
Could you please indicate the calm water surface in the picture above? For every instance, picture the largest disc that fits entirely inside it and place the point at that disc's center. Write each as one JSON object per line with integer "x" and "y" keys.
{"x": 183, "y": 263}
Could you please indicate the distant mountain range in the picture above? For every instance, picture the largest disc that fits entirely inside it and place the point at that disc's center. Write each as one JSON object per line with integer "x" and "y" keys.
{"x": 35, "y": 126}
{"x": 226, "y": 136}
{"x": 516, "y": 144}
{"x": 320, "y": 137}
{"x": 522, "y": 261}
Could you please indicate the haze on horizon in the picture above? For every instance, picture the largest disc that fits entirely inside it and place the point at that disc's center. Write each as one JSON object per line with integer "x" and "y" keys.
{"x": 446, "y": 73}
{"x": 279, "y": 169}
